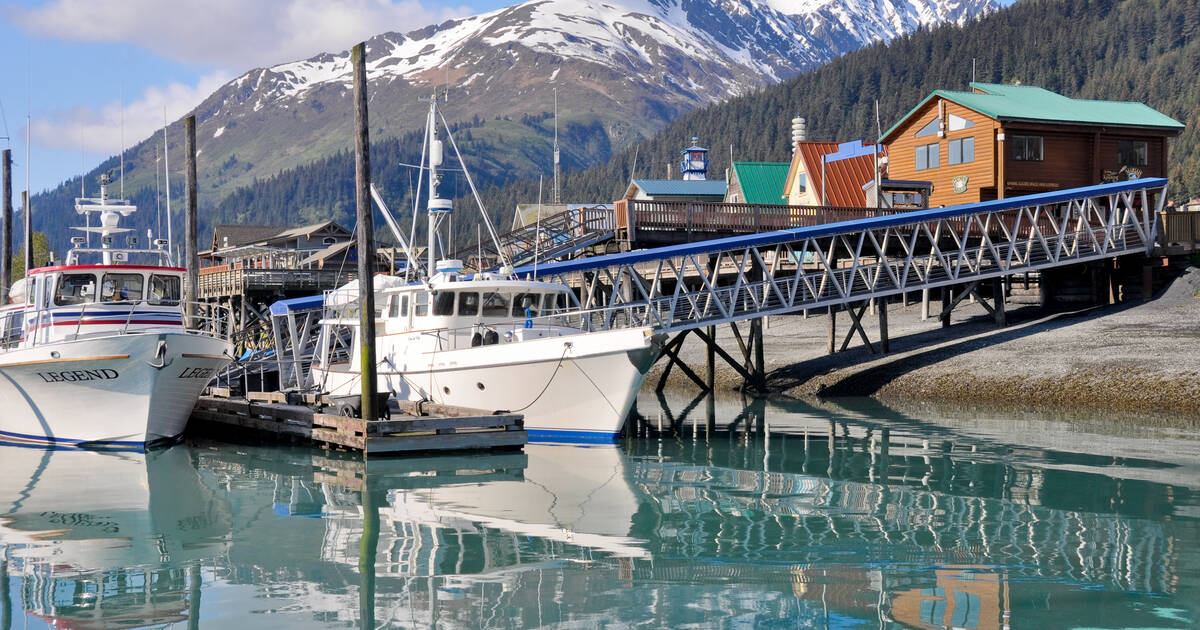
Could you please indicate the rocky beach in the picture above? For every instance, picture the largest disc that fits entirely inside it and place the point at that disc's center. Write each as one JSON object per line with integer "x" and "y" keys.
{"x": 1140, "y": 357}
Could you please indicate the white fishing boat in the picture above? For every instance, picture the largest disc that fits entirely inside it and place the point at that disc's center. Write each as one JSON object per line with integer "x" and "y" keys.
{"x": 105, "y": 354}
{"x": 489, "y": 341}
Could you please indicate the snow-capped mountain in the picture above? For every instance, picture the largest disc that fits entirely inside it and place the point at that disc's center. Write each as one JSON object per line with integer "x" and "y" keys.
{"x": 621, "y": 68}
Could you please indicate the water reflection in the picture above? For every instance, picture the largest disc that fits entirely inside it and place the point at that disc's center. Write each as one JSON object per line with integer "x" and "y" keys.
{"x": 848, "y": 515}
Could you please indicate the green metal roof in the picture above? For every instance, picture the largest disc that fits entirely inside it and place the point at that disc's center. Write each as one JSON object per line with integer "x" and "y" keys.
{"x": 1027, "y": 102}
{"x": 762, "y": 182}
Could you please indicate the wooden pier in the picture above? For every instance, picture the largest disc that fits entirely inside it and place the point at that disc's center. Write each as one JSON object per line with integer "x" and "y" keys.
{"x": 412, "y": 427}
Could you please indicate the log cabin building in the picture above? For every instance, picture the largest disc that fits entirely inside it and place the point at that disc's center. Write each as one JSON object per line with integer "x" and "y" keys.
{"x": 999, "y": 141}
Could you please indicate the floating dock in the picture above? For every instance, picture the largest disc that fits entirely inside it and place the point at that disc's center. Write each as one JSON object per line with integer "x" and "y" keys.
{"x": 412, "y": 427}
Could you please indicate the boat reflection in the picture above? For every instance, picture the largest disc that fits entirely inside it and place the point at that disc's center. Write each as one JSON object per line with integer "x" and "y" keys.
{"x": 107, "y": 539}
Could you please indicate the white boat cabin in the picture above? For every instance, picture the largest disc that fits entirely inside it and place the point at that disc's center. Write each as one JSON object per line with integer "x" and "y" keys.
{"x": 476, "y": 312}
{"x": 71, "y": 301}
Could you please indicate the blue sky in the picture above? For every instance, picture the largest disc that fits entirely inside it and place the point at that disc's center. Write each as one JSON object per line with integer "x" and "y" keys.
{"x": 71, "y": 64}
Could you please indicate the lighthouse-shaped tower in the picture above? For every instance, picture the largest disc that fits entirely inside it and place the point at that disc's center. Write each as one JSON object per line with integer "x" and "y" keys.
{"x": 694, "y": 164}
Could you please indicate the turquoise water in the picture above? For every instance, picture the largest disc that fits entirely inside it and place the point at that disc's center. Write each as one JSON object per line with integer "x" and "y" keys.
{"x": 916, "y": 519}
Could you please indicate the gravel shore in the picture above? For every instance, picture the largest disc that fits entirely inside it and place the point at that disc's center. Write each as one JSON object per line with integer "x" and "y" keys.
{"x": 1142, "y": 357}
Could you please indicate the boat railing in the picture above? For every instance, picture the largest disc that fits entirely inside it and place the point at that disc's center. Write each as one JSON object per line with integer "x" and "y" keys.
{"x": 30, "y": 327}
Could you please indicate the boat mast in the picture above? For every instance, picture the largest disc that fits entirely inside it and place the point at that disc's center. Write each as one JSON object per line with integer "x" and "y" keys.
{"x": 438, "y": 208}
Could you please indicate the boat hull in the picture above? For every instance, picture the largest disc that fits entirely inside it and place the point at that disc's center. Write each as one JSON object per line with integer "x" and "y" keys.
{"x": 573, "y": 388}
{"x": 120, "y": 391}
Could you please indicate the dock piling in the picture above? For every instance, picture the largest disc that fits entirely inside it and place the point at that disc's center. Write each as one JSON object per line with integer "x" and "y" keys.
{"x": 365, "y": 234}
{"x": 191, "y": 254}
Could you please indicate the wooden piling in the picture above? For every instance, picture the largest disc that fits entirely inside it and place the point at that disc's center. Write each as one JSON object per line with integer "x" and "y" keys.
{"x": 998, "y": 299}
{"x": 191, "y": 290}
{"x": 945, "y": 316}
{"x": 832, "y": 328}
{"x": 710, "y": 366}
{"x": 883, "y": 326}
{"x": 6, "y": 227}
{"x": 760, "y": 369}
{"x": 365, "y": 234}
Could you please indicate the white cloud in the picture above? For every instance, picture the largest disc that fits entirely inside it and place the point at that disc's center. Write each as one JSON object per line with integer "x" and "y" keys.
{"x": 99, "y": 128}
{"x": 233, "y": 35}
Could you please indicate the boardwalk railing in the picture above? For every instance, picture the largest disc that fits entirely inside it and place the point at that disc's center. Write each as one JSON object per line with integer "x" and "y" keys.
{"x": 743, "y": 277}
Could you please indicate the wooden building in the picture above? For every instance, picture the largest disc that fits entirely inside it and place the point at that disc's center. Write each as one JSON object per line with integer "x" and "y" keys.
{"x": 757, "y": 183}
{"x": 999, "y": 141}
{"x": 830, "y": 174}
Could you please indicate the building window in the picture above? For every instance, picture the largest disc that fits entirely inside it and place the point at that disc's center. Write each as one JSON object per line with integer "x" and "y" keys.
{"x": 930, "y": 129}
{"x": 928, "y": 156}
{"x": 803, "y": 185}
{"x": 1027, "y": 148}
{"x": 958, "y": 123}
{"x": 1133, "y": 152}
{"x": 962, "y": 150}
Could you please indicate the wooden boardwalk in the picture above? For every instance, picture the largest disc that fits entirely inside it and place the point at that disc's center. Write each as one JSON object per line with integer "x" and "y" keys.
{"x": 412, "y": 427}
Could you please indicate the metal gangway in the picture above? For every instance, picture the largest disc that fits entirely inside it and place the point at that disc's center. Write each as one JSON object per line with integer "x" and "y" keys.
{"x": 726, "y": 280}
{"x": 688, "y": 287}
{"x": 553, "y": 237}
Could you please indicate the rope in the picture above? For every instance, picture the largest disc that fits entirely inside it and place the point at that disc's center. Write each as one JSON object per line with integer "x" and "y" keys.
{"x": 566, "y": 347}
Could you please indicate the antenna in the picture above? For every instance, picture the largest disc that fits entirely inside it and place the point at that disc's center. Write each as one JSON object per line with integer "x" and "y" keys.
{"x": 972, "y": 69}
{"x": 122, "y": 139}
{"x": 556, "y": 200}
{"x": 87, "y": 216}
{"x": 537, "y": 230}
{"x": 167, "y": 180}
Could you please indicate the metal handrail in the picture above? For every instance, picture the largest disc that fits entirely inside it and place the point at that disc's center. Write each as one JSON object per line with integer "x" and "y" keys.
{"x": 204, "y": 319}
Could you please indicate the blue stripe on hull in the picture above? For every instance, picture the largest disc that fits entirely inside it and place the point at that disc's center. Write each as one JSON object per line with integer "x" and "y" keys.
{"x": 41, "y": 441}
{"x": 573, "y": 437}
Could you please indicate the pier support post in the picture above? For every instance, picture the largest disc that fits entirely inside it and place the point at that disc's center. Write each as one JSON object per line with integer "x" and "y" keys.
{"x": 760, "y": 371}
{"x": 1147, "y": 281}
{"x": 924, "y": 304}
{"x": 832, "y": 328}
{"x": 945, "y": 316}
{"x": 365, "y": 236}
{"x": 191, "y": 255}
{"x": 6, "y": 228}
{"x": 710, "y": 365}
{"x": 998, "y": 300}
{"x": 884, "y": 345}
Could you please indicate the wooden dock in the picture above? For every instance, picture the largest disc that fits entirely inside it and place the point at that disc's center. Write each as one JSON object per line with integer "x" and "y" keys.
{"x": 412, "y": 427}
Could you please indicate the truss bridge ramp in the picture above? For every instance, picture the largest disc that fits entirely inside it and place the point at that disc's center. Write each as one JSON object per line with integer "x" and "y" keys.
{"x": 726, "y": 280}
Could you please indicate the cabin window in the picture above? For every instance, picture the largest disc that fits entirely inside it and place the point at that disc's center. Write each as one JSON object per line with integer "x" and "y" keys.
{"x": 468, "y": 303}
{"x": 421, "y": 307}
{"x": 930, "y": 129}
{"x": 443, "y": 303}
{"x": 802, "y": 186}
{"x": 928, "y": 156}
{"x": 328, "y": 240}
{"x": 1027, "y": 148}
{"x": 404, "y": 306}
{"x": 1133, "y": 152}
{"x": 122, "y": 287}
{"x": 495, "y": 305}
{"x": 962, "y": 150}
{"x": 164, "y": 289}
{"x": 393, "y": 306}
{"x": 554, "y": 302}
{"x": 75, "y": 288}
{"x": 522, "y": 301}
